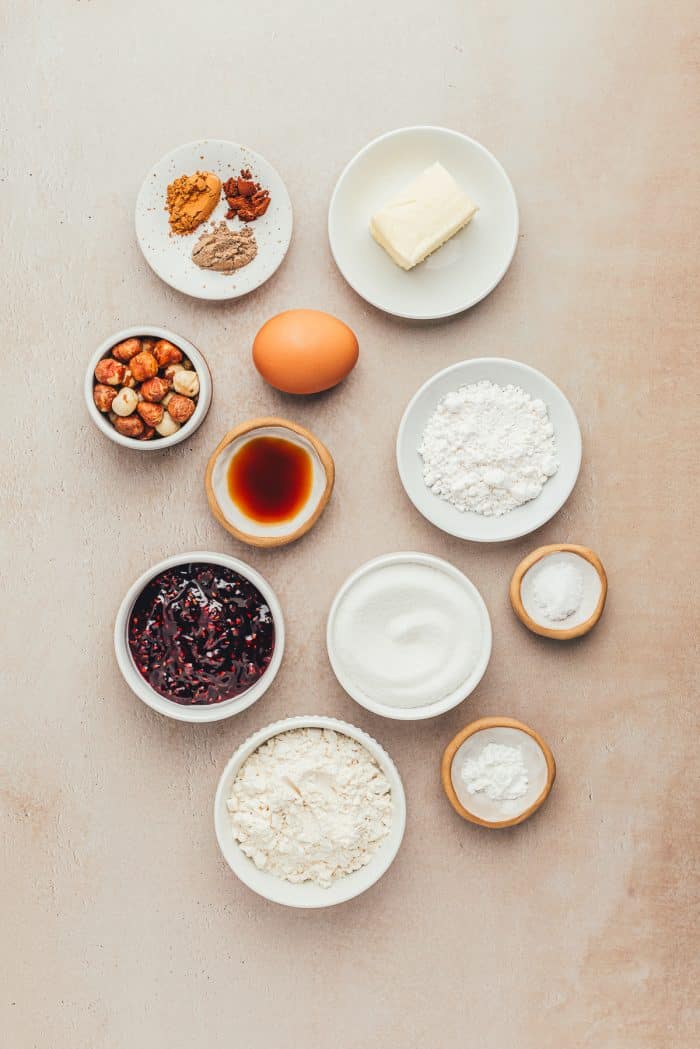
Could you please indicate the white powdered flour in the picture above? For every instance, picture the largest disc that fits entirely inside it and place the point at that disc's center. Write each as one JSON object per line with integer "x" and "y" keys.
{"x": 488, "y": 448}
{"x": 310, "y": 805}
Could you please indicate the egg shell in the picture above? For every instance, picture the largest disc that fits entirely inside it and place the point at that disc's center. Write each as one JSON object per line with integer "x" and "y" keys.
{"x": 304, "y": 351}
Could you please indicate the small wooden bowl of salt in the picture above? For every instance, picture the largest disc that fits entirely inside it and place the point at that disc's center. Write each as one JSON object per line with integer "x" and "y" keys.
{"x": 559, "y": 591}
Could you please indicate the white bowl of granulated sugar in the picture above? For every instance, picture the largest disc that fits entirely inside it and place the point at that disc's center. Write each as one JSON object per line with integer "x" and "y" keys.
{"x": 309, "y": 812}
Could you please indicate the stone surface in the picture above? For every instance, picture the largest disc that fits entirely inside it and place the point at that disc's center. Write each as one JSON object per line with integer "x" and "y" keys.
{"x": 122, "y": 925}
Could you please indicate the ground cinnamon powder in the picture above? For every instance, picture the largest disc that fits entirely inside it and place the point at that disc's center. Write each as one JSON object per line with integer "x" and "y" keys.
{"x": 191, "y": 200}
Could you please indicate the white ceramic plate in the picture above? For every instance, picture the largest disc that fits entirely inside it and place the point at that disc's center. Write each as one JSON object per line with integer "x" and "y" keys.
{"x": 171, "y": 256}
{"x": 429, "y": 710}
{"x": 308, "y": 894}
{"x": 457, "y": 275}
{"x": 523, "y": 519}
{"x": 206, "y": 712}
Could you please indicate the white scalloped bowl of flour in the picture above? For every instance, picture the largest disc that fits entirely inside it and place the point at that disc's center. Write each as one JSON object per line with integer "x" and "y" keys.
{"x": 308, "y": 894}
{"x": 468, "y": 524}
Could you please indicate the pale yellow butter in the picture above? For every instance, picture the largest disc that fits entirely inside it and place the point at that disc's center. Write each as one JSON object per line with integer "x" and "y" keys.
{"x": 422, "y": 217}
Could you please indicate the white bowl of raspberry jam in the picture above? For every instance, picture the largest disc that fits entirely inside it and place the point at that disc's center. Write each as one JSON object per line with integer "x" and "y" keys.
{"x": 200, "y": 636}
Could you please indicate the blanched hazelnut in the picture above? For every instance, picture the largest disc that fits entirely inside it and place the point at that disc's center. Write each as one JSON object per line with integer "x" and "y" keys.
{"x": 167, "y": 399}
{"x": 154, "y": 389}
{"x": 171, "y": 371}
{"x": 150, "y": 413}
{"x": 103, "y": 397}
{"x": 186, "y": 383}
{"x": 143, "y": 366}
{"x": 180, "y": 408}
{"x": 167, "y": 426}
{"x": 124, "y": 351}
{"x": 129, "y": 379}
{"x": 147, "y": 433}
{"x": 110, "y": 372}
{"x": 131, "y": 426}
{"x": 165, "y": 353}
{"x": 125, "y": 402}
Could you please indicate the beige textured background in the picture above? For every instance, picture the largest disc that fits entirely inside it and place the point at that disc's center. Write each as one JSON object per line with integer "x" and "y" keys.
{"x": 122, "y": 926}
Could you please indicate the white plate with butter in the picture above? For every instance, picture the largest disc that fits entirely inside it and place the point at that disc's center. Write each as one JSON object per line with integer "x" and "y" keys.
{"x": 388, "y": 186}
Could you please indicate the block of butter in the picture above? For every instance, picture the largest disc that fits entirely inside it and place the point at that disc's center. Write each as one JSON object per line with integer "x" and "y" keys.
{"x": 421, "y": 218}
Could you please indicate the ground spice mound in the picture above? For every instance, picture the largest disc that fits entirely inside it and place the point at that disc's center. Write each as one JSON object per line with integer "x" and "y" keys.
{"x": 245, "y": 197}
{"x": 225, "y": 249}
{"x": 191, "y": 199}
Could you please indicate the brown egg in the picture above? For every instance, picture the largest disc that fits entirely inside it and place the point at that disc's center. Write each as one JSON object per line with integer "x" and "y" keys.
{"x": 304, "y": 351}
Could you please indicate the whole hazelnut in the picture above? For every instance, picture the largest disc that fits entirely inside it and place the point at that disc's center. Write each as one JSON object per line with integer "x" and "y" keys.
{"x": 129, "y": 379}
{"x": 186, "y": 362}
{"x": 180, "y": 408}
{"x": 103, "y": 397}
{"x": 143, "y": 366}
{"x": 131, "y": 426}
{"x": 171, "y": 371}
{"x": 165, "y": 353}
{"x": 124, "y": 351}
{"x": 167, "y": 399}
{"x": 125, "y": 402}
{"x": 167, "y": 426}
{"x": 186, "y": 383}
{"x": 147, "y": 433}
{"x": 110, "y": 372}
{"x": 154, "y": 389}
{"x": 150, "y": 413}
{"x": 148, "y": 344}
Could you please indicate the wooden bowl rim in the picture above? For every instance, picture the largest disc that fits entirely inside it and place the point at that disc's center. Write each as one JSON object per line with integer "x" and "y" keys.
{"x": 552, "y": 632}
{"x": 478, "y": 726}
{"x": 255, "y": 424}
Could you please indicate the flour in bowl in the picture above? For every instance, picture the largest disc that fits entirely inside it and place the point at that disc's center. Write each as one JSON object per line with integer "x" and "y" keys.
{"x": 310, "y": 804}
{"x": 488, "y": 448}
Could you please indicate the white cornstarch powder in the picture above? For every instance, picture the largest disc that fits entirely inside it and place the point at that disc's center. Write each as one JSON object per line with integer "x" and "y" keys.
{"x": 498, "y": 770}
{"x": 488, "y": 448}
{"x": 558, "y": 589}
{"x": 310, "y": 805}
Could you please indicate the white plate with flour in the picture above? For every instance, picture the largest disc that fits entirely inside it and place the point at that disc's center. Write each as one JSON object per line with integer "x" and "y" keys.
{"x": 308, "y": 894}
{"x": 468, "y": 524}
{"x": 460, "y": 273}
{"x": 170, "y": 256}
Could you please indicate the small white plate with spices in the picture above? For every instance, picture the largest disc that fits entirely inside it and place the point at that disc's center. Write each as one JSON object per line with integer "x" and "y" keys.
{"x": 170, "y": 255}
{"x": 468, "y": 524}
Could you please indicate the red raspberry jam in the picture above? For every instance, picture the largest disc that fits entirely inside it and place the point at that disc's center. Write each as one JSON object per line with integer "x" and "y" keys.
{"x": 201, "y": 633}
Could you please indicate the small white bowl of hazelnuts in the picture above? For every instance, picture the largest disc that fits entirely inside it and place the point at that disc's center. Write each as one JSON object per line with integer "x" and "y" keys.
{"x": 147, "y": 388}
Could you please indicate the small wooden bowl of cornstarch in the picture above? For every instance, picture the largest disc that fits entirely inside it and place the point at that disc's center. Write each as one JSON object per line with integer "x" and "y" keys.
{"x": 559, "y": 591}
{"x": 497, "y": 772}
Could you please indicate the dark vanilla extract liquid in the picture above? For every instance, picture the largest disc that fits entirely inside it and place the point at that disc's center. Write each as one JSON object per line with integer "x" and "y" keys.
{"x": 270, "y": 479}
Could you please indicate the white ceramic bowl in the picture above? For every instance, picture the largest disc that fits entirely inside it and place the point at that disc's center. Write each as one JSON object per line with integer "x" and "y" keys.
{"x": 308, "y": 894}
{"x": 525, "y": 518}
{"x": 461, "y": 272}
{"x": 428, "y": 710}
{"x": 214, "y": 711}
{"x": 157, "y": 444}
{"x": 171, "y": 256}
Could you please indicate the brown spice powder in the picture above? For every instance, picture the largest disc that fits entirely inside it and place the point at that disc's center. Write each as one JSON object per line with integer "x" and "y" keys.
{"x": 224, "y": 249}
